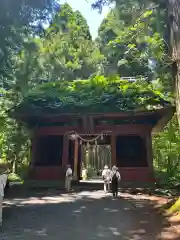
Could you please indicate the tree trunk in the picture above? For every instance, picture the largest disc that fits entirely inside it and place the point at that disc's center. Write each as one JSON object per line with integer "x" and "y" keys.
{"x": 178, "y": 92}
{"x": 174, "y": 27}
{"x": 14, "y": 167}
{"x": 174, "y": 23}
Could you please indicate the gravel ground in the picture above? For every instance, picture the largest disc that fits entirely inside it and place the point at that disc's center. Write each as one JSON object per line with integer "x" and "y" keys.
{"x": 85, "y": 215}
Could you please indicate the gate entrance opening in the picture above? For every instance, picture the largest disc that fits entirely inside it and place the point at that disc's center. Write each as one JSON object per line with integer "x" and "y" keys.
{"x": 94, "y": 158}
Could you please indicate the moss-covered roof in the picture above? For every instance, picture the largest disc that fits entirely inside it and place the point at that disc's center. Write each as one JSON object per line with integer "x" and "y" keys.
{"x": 95, "y": 95}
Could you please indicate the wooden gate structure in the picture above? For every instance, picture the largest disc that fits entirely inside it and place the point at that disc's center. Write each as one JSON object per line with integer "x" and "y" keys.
{"x": 128, "y": 134}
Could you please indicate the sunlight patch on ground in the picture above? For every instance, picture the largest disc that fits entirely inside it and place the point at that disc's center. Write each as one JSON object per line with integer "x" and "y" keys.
{"x": 114, "y": 231}
{"x": 168, "y": 234}
{"x": 72, "y": 197}
{"x": 62, "y": 198}
{"x": 104, "y": 232}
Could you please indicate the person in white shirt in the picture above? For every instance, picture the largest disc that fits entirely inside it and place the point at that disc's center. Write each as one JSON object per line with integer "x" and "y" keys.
{"x": 106, "y": 175}
{"x": 68, "y": 178}
{"x": 84, "y": 174}
{"x": 3, "y": 180}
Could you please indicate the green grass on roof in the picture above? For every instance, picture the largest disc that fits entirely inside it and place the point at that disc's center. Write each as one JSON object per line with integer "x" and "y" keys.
{"x": 98, "y": 94}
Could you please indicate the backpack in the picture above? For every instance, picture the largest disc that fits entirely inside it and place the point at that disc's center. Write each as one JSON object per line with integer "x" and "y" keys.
{"x": 114, "y": 177}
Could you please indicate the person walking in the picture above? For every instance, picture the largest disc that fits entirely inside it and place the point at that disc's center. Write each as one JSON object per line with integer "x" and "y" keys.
{"x": 106, "y": 175}
{"x": 68, "y": 178}
{"x": 115, "y": 178}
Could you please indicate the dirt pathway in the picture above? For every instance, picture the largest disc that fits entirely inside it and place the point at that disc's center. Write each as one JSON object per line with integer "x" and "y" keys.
{"x": 87, "y": 215}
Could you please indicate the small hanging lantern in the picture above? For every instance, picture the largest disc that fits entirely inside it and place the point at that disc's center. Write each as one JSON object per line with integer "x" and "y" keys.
{"x": 80, "y": 142}
{"x": 102, "y": 137}
{"x": 88, "y": 145}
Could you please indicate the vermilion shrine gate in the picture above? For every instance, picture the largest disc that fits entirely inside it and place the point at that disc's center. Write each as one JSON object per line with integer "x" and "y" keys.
{"x": 57, "y": 141}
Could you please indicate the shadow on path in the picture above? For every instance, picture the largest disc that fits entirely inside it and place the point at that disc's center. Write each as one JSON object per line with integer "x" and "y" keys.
{"x": 86, "y": 215}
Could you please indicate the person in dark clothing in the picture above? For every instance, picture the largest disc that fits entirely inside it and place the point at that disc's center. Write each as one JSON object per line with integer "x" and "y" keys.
{"x": 114, "y": 180}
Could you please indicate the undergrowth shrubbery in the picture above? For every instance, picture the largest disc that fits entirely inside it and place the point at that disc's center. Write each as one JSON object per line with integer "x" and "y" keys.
{"x": 166, "y": 149}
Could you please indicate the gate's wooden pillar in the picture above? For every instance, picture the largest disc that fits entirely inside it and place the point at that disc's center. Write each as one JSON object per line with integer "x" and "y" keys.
{"x": 65, "y": 156}
{"x": 33, "y": 154}
{"x": 113, "y": 149}
{"x": 76, "y": 148}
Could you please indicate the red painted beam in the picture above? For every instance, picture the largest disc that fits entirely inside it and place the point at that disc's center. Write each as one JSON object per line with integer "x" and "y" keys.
{"x": 121, "y": 129}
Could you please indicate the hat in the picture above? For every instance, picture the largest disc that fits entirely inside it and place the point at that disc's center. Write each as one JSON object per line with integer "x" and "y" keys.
{"x": 114, "y": 168}
{"x": 105, "y": 167}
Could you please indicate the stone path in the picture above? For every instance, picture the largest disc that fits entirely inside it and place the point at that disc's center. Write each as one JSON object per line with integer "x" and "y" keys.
{"x": 87, "y": 215}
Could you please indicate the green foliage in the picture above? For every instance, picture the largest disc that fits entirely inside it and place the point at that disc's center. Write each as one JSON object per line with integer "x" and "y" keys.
{"x": 98, "y": 94}
{"x": 135, "y": 43}
{"x": 166, "y": 147}
{"x": 21, "y": 172}
{"x": 14, "y": 138}
{"x": 17, "y": 19}
{"x": 65, "y": 52}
